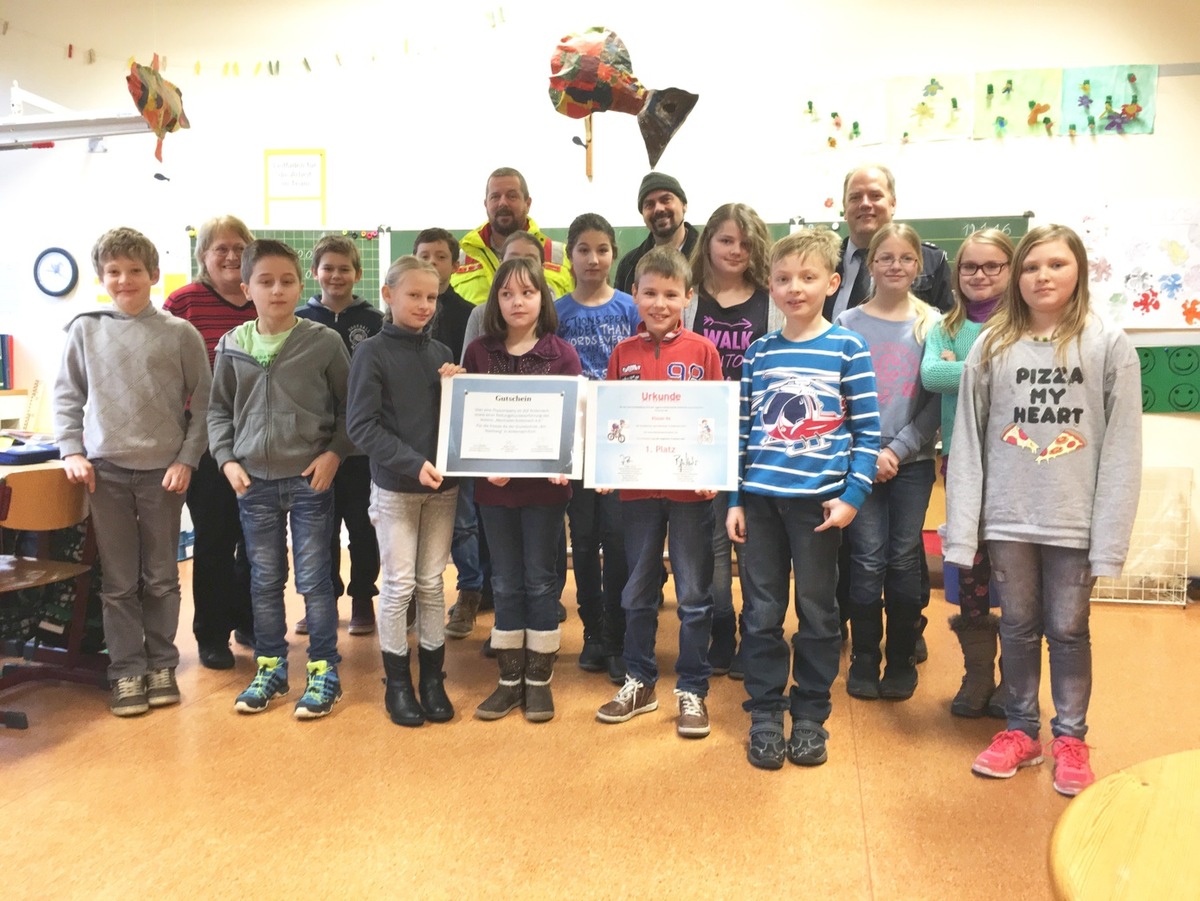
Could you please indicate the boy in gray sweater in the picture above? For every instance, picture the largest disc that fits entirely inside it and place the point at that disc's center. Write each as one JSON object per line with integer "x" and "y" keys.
{"x": 123, "y": 427}
{"x": 277, "y": 429}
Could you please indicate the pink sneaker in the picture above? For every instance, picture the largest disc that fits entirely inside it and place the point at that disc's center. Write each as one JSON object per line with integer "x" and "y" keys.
{"x": 1072, "y": 772}
{"x": 1008, "y": 752}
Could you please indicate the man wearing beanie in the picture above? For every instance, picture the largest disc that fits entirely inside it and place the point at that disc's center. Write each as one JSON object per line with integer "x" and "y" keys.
{"x": 662, "y": 204}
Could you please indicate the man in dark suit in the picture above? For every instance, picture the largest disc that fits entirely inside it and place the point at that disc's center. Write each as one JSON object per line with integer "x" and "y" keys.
{"x": 869, "y": 201}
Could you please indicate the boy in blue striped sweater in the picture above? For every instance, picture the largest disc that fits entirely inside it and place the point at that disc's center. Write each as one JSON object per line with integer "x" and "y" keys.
{"x": 809, "y": 428}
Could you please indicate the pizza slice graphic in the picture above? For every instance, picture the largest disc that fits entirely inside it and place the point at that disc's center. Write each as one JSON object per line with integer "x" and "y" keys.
{"x": 1067, "y": 442}
{"x": 1015, "y": 435}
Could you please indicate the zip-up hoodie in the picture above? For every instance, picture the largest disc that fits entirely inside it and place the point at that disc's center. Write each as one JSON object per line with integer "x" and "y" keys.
{"x": 355, "y": 324}
{"x": 276, "y": 420}
{"x": 395, "y": 402}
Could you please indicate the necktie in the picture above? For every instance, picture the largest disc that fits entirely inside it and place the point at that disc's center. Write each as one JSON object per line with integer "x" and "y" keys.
{"x": 862, "y": 280}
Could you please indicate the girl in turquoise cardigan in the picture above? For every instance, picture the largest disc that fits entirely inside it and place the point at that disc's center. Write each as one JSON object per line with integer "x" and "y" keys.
{"x": 980, "y": 274}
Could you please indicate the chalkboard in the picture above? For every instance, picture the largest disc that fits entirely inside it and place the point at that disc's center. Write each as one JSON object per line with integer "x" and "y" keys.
{"x": 304, "y": 240}
{"x": 947, "y": 234}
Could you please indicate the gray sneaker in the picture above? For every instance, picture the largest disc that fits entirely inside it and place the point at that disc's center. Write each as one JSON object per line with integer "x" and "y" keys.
{"x": 129, "y": 696}
{"x": 161, "y": 688}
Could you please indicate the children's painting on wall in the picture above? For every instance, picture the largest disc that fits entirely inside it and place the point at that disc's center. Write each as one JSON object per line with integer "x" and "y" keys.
{"x": 932, "y": 108}
{"x": 1110, "y": 100}
{"x": 1018, "y": 103}
{"x": 1145, "y": 266}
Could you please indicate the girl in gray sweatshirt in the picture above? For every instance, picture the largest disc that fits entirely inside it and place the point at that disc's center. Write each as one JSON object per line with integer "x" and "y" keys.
{"x": 1046, "y": 469}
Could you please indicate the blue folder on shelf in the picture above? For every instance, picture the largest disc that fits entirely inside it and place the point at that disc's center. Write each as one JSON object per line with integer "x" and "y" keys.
{"x": 24, "y": 453}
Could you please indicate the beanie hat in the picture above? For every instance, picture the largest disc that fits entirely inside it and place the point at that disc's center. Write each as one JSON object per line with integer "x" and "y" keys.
{"x": 659, "y": 181}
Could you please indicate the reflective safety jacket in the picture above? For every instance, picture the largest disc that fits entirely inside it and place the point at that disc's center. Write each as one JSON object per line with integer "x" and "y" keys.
{"x": 478, "y": 264}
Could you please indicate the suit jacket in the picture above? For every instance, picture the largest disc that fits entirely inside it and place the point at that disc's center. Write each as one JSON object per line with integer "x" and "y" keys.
{"x": 932, "y": 285}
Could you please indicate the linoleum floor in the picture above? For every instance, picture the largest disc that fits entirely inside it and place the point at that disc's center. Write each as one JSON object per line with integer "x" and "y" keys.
{"x": 198, "y": 801}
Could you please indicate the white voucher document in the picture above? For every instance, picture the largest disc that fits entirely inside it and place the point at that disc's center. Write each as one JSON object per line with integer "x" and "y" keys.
{"x": 511, "y": 425}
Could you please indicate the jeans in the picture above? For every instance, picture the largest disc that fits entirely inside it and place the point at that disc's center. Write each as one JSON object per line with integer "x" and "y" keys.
{"x": 524, "y": 548}
{"x": 780, "y": 538}
{"x": 267, "y": 508}
{"x": 220, "y": 568}
{"x": 595, "y": 523}
{"x": 886, "y": 548}
{"x": 136, "y": 522}
{"x": 415, "y": 531}
{"x": 351, "y": 498}
{"x": 1045, "y": 590}
{"x": 722, "y": 561}
{"x": 464, "y": 550}
{"x": 689, "y": 547}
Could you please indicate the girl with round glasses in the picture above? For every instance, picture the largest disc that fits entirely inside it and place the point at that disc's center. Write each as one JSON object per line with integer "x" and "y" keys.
{"x": 981, "y": 272}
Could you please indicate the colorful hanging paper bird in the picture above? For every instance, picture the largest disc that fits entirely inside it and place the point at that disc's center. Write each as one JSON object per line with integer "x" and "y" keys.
{"x": 159, "y": 101}
{"x": 592, "y": 73}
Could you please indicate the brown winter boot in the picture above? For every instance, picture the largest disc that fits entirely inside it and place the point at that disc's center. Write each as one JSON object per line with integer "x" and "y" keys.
{"x": 510, "y": 690}
{"x": 541, "y": 648}
{"x": 977, "y": 636}
{"x": 462, "y": 614}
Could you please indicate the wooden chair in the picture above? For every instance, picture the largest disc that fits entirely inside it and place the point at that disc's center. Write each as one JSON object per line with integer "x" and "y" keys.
{"x": 41, "y": 500}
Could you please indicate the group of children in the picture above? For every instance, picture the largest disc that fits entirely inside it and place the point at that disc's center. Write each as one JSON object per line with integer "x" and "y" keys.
{"x": 837, "y": 429}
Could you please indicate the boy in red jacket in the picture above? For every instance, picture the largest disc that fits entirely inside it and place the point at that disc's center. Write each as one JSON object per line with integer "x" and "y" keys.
{"x": 663, "y": 350}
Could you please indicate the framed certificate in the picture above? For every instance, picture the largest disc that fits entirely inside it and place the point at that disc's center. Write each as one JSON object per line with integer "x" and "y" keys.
{"x": 662, "y": 435}
{"x": 511, "y": 425}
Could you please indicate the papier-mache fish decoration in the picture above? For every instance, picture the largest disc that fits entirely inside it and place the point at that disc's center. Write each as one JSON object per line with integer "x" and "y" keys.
{"x": 592, "y": 73}
{"x": 159, "y": 101}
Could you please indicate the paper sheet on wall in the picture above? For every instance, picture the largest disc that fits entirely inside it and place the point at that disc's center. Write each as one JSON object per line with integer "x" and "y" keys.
{"x": 845, "y": 116}
{"x": 1145, "y": 265}
{"x": 936, "y": 108}
{"x": 1005, "y": 111}
{"x": 1121, "y": 99}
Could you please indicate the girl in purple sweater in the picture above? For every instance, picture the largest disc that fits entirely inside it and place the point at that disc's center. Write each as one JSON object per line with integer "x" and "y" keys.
{"x": 522, "y": 517}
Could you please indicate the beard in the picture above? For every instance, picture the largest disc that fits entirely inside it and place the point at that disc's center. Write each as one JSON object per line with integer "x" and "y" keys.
{"x": 663, "y": 225}
{"x": 505, "y": 221}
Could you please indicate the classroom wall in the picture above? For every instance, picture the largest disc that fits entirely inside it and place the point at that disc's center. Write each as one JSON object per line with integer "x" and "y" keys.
{"x": 426, "y": 100}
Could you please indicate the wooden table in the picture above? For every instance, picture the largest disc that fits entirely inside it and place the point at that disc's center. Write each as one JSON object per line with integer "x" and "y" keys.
{"x": 1132, "y": 835}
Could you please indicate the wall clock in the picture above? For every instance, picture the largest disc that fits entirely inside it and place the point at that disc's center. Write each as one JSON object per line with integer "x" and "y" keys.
{"x": 55, "y": 272}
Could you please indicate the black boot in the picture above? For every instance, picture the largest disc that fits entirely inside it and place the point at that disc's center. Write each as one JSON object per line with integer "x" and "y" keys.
{"x": 900, "y": 677}
{"x": 431, "y": 684}
{"x": 866, "y": 632}
{"x": 398, "y": 696}
{"x": 724, "y": 643}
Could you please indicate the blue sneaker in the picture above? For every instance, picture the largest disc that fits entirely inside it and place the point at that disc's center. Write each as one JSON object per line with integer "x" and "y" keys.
{"x": 270, "y": 682}
{"x": 323, "y": 690}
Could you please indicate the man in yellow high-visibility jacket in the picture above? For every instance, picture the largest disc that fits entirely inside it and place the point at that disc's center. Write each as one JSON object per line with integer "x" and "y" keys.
{"x": 507, "y": 203}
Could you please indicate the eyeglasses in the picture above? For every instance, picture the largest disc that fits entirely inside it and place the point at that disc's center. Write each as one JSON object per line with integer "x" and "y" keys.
{"x": 224, "y": 250}
{"x": 886, "y": 260}
{"x": 989, "y": 268}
